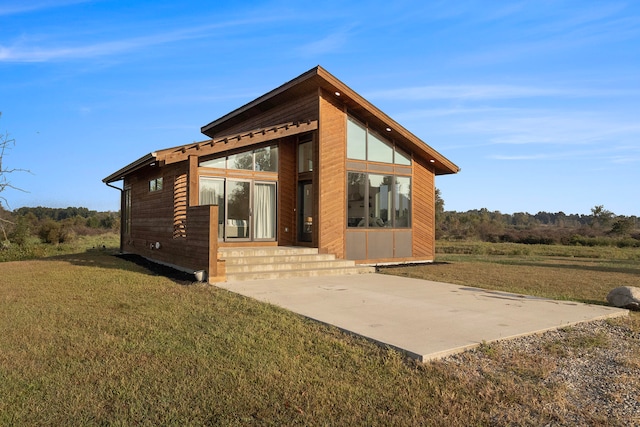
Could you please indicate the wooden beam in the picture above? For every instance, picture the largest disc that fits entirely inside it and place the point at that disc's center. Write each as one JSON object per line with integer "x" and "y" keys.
{"x": 193, "y": 182}
{"x": 239, "y": 140}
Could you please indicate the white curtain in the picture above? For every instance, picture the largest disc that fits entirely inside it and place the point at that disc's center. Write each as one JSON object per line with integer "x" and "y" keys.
{"x": 264, "y": 210}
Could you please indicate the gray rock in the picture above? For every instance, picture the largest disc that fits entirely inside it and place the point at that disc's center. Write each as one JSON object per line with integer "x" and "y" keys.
{"x": 625, "y": 297}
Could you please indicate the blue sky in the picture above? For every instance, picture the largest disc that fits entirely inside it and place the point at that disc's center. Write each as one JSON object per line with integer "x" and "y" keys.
{"x": 537, "y": 101}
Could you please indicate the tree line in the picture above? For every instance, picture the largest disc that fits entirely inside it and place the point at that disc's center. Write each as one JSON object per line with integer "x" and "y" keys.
{"x": 53, "y": 225}
{"x": 599, "y": 228}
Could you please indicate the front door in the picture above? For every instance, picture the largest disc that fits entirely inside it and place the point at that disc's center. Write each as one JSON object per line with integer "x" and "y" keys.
{"x": 305, "y": 211}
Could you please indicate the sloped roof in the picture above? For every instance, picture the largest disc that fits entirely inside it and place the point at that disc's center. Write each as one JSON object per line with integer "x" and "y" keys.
{"x": 313, "y": 79}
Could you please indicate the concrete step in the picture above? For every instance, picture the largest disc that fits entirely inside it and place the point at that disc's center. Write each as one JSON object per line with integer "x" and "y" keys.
{"x": 232, "y": 252}
{"x": 273, "y": 262}
{"x": 277, "y": 259}
{"x": 238, "y": 277}
{"x": 287, "y": 266}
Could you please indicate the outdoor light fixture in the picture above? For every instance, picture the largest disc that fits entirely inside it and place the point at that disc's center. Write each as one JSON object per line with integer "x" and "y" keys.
{"x": 337, "y": 93}
{"x": 432, "y": 161}
{"x": 388, "y": 129}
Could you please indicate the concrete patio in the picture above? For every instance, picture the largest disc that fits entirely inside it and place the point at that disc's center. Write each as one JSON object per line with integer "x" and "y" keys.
{"x": 426, "y": 320}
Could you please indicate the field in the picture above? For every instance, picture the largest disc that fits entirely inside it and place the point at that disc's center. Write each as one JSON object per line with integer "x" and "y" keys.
{"x": 92, "y": 339}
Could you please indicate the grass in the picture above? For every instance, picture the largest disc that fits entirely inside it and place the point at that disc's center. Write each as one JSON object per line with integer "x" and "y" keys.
{"x": 91, "y": 339}
{"x": 560, "y": 272}
{"x": 35, "y": 249}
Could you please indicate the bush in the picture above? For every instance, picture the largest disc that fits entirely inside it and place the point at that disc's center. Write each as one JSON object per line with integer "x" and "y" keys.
{"x": 53, "y": 232}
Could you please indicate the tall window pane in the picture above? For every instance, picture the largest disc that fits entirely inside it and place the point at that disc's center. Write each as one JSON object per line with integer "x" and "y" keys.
{"x": 379, "y": 150}
{"x": 356, "y": 140}
{"x": 266, "y": 159}
{"x": 356, "y": 193}
{"x": 238, "y": 205}
{"x": 212, "y": 193}
{"x": 402, "y": 199}
{"x": 305, "y": 156}
{"x": 264, "y": 208}
{"x": 380, "y": 192}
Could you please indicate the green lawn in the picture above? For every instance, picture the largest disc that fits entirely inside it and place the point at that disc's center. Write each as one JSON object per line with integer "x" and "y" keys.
{"x": 91, "y": 339}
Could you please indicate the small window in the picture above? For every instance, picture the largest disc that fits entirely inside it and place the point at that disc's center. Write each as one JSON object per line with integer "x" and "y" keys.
{"x": 242, "y": 161}
{"x": 155, "y": 184}
{"x": 266, "y": 159}
{"x": 219, "y": 163}
{"x": 402, "y": 158}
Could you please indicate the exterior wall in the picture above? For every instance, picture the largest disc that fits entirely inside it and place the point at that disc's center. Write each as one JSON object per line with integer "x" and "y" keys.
{"x": 423, "y": 194}
{"x": 303, "y": 108}
{"x": 287, "y": 186}
{"x": 185, "y": 236}
{"x": 332, "y": 221}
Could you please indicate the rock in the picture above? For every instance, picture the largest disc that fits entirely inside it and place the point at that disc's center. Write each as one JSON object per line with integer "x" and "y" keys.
{"x": 625, "y": 297}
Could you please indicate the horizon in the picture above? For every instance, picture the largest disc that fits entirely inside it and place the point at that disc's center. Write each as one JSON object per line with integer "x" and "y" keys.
{"x": 536, "y": 103}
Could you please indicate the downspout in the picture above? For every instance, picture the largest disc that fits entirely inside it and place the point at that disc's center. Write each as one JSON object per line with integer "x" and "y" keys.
{"x": 121, "y": 211}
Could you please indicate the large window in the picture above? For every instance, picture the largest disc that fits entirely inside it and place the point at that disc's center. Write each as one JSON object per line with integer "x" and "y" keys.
{"x": 365, "y": 144}
{"x": 378, "y": 201}
{"x": 261, "y": 159}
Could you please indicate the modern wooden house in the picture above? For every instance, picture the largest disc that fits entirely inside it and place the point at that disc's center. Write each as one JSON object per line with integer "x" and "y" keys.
{"x": 309, "y": 164}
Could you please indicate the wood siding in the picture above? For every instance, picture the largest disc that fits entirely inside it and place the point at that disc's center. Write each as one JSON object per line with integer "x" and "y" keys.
{"x": 332, "y": 153}
{"x": 287, "y": 184}
{"x": 423, "y": 205}
{"x": 163, "y": 228}
{"x": 302, "y": 109}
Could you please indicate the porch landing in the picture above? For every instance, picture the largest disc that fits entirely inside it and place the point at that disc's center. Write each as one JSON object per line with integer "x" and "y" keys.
{"x": 278, "y": 262}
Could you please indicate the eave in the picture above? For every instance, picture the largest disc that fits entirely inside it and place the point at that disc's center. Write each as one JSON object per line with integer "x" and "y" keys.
{"x": 132, "y": 167}
{"x": 331, "y": 86}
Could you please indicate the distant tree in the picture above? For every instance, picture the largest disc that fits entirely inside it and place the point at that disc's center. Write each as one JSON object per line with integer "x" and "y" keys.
{"x": 623, "y": 226}
{"x": 600, "y": 216}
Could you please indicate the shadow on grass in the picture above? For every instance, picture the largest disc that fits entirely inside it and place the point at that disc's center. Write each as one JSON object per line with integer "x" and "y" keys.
{"x": 109, "y": 258}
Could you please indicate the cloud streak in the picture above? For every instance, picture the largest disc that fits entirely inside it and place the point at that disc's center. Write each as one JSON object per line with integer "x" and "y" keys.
{"x": 22, "y": 51}
{"x": 28, "y": 6}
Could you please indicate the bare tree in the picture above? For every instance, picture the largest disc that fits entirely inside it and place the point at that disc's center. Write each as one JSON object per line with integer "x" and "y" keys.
{"x": 5, "y": 144}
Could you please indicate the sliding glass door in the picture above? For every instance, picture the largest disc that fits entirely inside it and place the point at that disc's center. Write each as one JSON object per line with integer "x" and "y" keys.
{"x": 247, "y": 209}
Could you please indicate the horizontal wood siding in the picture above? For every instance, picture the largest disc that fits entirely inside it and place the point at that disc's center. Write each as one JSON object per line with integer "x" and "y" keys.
{"x": 302, "y": 109}
{"x": 332, "y": 178}
{"x": 184, "y": 233}
{"x": 423, "y": 205}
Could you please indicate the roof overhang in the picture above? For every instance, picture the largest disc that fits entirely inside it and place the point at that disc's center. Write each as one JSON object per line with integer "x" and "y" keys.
{"x": 316, "y": 78}
{"x": 142, "y": 162}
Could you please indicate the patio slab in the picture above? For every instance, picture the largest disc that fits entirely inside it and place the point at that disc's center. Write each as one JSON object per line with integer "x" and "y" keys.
{"x": 424, "y": 319}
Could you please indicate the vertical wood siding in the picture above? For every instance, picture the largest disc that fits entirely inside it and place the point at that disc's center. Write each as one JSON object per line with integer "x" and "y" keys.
{"x": 287, "y": 178}
{"x": 423, "y": 204}
{"x": 332, "y": 177}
